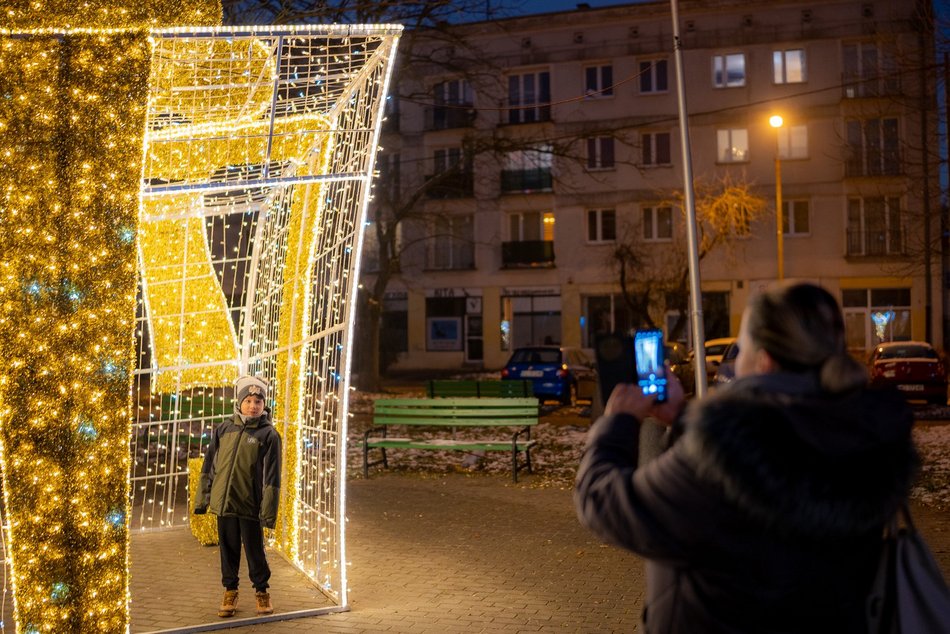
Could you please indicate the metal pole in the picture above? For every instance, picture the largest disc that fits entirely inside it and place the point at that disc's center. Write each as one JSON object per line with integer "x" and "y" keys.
{"x": 695, "y": 289}
{"x": 779, "y": 230}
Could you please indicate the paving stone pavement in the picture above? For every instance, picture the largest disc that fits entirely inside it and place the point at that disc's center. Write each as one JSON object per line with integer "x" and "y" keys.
{"x": 452, "y": 553}
{"x": 432, "y": 554}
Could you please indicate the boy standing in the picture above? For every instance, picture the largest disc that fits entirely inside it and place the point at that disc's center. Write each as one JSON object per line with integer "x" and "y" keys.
{"x": 240, "y": 483}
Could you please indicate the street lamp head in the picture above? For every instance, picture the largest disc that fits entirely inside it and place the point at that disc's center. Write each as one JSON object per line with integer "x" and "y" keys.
{"x": 776, "y": 121}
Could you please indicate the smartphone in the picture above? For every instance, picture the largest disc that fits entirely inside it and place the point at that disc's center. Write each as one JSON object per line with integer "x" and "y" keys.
{"x": 648, "y": 353}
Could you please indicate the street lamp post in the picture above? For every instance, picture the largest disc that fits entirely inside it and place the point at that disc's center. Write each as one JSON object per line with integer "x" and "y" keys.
{"x": 776, "y": 122}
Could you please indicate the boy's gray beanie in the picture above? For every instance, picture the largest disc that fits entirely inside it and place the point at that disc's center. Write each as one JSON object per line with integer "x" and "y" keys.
{"x": 247, "y": 385}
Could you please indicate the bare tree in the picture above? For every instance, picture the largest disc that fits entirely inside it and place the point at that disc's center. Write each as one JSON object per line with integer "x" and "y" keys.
{"x": 654, "y": 278}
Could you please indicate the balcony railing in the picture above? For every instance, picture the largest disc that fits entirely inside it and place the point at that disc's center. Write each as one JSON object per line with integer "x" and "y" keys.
{"x": 527, "y": 181}
{"x": 855, "y": 86}
{"x": 527, "y": 253}
{"x": 450, "y": 116}
{"x": 877, "y": 164}
{"x": 876, "y": 242}
{"x": 456, "y": 185}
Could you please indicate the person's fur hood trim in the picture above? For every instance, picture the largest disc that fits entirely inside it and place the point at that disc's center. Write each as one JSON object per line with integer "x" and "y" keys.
{"x": 802, "y": 461}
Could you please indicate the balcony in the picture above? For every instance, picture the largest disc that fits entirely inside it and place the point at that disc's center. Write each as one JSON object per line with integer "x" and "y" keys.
{"x": 880, "y": 242}
{"x": 856, "y": 86}
{"x": 877, "y": 164}
{"x": 527, "y": 181}
{"x": 527, "y": 254}
{"x": 453, "y": 185}
{"x": 450, "y": 116}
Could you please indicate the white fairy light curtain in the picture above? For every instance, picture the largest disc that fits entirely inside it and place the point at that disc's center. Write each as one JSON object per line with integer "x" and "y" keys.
{"x": 258, "y": 159}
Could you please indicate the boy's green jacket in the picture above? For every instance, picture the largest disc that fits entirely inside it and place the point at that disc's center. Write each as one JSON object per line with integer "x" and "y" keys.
{"x": 241, "y": 471}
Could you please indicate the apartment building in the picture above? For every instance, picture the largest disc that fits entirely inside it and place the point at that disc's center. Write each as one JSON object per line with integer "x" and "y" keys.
{"x": 534, "y": 154}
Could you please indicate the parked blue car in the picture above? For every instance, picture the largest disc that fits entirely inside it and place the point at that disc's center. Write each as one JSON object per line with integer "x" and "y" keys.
{"x": 563, "y": 374}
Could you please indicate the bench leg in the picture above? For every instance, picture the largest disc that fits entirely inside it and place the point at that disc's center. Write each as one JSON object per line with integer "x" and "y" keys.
{"x": 527, "y": 457}
{"x": 365, "y": 460}
{"x": 514, "y": 463}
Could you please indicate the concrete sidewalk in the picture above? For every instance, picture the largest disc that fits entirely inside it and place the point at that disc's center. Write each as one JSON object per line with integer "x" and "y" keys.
{"x": 456, "y": 553}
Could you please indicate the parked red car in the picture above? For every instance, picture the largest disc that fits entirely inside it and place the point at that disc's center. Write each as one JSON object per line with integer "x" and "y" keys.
{"x": 913, "y": 367}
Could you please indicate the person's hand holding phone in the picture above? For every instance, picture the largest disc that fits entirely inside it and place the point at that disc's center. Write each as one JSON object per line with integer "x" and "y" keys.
{"x": 628, "y": 398}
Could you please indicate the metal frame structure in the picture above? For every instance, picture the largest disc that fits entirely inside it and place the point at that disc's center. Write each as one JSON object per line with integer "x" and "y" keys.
{"x": 257, "y": 167}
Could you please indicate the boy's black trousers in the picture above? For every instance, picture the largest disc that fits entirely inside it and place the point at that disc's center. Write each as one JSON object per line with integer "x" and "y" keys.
{"x": 232, "y": 531}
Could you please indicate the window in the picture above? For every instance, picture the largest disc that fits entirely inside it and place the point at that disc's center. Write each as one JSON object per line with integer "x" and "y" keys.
{"x": 869, "y": 71}
{"x": 653, "y": 76}
{"x": 655, "y": 148}
{"x": 529, "y": 97}
{"x": 388, "y": 182}
{"x": 455, "y": 166}
{"x": 601, "y": 225}
{"x": 788, "y": 67}
{"x": 456, "y": 92}
{"x": 531, "y": 226}
{"x": 371, "y": 252}
{"x": 874, "y": 226}
{"x": 657, "y": 224}
{"x": 873, "y": 148}
{"x": 793, "y": 142}
{"x": 599, "y": 81}
{"x": 453, "y": 100}
{"x": 728, "y": 70}
{"x": 795, "y": 217}
{"x": 733, "y": 145}
{"x": 604, "y": 314}
{"x": 447, "y": 159}
{"x": 600, "y": 153}
{"x": 530, "y": 320}
{"x": 528, "y": 170}
{"x": 451, "y": 243}
{"x": 874, "y": 315}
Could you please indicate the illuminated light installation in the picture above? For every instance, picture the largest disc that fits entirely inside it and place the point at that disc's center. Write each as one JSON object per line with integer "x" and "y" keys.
{"x": 87, "y": 197}
{"x": 259, "y": 153}
{"x": 72, "y": 122}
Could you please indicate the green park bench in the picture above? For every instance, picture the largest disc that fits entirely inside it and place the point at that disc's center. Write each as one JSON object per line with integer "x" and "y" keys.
{"x": 479, "y": 389}
{"x": 453, "y": 413}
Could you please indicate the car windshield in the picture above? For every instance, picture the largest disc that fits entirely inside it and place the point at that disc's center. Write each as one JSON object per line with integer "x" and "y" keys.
{"x": 536, "y": 356}
{"x": 731, "y": 353}
{"x": 906, "y": 352}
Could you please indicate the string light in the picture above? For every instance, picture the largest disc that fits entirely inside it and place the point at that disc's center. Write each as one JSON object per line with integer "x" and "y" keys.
{"x": 72, "y": 124}
{"x": 229, "y": 125}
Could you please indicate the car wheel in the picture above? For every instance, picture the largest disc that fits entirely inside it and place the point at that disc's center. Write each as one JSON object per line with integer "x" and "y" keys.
{"x": 570, "y": 396}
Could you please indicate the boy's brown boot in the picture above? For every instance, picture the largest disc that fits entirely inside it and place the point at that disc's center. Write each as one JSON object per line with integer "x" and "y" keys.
{"x": 229, "y": 603}
{"x": 263, "y": 603}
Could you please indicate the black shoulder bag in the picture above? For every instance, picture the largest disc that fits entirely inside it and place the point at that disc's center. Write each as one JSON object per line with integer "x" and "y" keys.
{"x": 909, "y": 595}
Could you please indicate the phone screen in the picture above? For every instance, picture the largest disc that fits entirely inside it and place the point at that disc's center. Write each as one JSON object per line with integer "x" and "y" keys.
{"x": 651, "y": 367}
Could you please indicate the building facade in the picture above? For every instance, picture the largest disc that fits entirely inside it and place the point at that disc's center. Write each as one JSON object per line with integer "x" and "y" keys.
{"x": 530, "y": 157}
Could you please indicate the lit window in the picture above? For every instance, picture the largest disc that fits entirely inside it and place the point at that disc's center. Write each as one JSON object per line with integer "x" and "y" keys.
{"x": 728, "y": 70}
{"x": 788, "y": 67}
{"x": 793, "y": 142}
{"x": 733, "y": 145}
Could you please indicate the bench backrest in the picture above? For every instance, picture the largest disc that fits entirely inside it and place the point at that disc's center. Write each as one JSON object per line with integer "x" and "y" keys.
{"x": 458, "y": 412}
{"x": 485, "y": 389}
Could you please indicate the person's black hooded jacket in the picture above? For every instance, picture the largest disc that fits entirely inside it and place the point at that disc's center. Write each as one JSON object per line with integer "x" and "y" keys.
{"x": 766, "y": 515}
{"x": 240, "y": 475}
